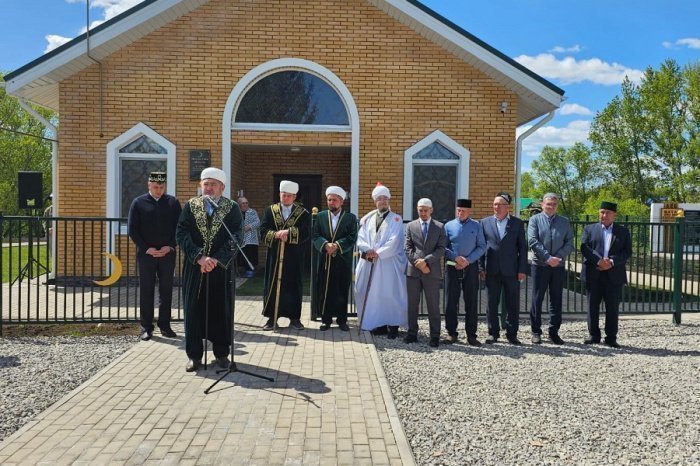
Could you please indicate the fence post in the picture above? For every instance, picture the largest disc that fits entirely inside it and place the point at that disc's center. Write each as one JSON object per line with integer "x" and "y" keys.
{"x": 677, "y": 269}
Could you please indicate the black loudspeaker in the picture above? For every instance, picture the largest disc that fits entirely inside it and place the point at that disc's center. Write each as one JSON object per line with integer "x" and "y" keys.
{"x": 30, "y": 189}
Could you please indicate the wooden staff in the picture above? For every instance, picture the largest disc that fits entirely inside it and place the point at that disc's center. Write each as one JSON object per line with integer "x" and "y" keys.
{"x": 364, "y": 301}
{"x": 280, "y": 263}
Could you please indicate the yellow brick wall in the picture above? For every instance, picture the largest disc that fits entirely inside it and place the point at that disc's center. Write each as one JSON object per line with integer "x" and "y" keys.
{"x": 177, "y": 80}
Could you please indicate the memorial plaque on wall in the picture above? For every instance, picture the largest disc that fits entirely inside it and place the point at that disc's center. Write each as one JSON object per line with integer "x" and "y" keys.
{"x": 199, "y": 160}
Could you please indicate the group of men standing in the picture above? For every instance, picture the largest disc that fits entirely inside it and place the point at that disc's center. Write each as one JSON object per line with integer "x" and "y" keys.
{"x": 396, "y": 264}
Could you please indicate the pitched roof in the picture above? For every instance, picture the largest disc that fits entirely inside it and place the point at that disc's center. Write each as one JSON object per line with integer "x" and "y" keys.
{"x": 38, "y": 80}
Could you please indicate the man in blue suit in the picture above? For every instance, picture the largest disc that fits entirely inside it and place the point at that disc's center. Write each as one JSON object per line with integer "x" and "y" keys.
{"x": 606, "y": 247}
{"x": 551, "y": 240}
{"x": 503, "y": 266}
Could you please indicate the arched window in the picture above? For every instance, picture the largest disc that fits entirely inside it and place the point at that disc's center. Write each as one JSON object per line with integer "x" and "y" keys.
{"x": 294, "y": 99}
{"x": 130, "y": 158}
{"x": 437, "y": 167}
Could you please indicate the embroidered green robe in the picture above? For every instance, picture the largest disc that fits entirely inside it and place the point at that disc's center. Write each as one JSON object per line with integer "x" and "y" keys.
{"x": 333, "y": 273}
{"x": 199, "y": 234}
{"x": 291, "y": 284}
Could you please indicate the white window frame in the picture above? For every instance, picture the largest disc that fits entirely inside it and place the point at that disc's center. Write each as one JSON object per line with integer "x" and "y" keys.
{"x": 114, "y": 158}
{"x": 283, "y": 64}
{"x": 462, "y": 165}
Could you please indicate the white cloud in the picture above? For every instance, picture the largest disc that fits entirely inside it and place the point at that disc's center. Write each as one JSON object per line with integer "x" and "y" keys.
{"x": 575, "y": 131}
{"x": 574, "y": 109}
{"x": 109, "y": 9}
{"x": 690, "y": 42}
{"x": 568, "y": 70}
{"x": 559, "y": 49}
{"x": 53, "y": 41}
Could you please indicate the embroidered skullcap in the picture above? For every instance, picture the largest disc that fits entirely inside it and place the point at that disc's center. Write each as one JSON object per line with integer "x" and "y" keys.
{"x": 464, "y": 203}
{"x": 608, "y": 206}
{"x": 290, "y": 187}
{"x": 337, "y": 190}
{"x": 425, "y": 202}
{"x": 505, "y": 196}
{"x": 157, "y": 177}
{"x": 214, "y": 174}
{"x": 380, "y": 190}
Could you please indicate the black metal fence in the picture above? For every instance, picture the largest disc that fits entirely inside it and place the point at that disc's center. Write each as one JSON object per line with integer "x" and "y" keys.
{"x": 66, "y": 269}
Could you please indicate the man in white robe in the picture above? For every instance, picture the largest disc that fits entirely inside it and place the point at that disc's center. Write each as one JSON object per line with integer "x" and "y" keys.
{"x": 381, "y": 244}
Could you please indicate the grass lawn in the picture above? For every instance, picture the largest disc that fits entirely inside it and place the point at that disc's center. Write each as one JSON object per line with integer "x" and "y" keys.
{"x": 11, "y": 266}
{"x": 254, "y": 286}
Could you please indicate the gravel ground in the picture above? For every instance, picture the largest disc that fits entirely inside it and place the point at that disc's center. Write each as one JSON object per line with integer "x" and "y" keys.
{"x": 35, "y": 372}
{"x": 543, "y": 404}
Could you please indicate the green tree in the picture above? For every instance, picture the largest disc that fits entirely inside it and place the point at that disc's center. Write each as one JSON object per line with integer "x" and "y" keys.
{"x": 22, "y": 148}
{"x": 572, "y": 173}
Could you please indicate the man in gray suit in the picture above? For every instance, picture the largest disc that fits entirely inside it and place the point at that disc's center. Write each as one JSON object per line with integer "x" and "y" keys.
{"x": 503, "y": 266}
{"x": 551, "y": 239}
{"x": 425, "y": 248}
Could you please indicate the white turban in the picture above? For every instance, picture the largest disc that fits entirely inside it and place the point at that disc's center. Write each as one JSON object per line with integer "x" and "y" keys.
{"x": 214, "y": 174}
{"x": 337, "y": 190}
{"x": 425, "y": 202}
{"x": 380, "y": 190}
{"x": 289, "y": 187}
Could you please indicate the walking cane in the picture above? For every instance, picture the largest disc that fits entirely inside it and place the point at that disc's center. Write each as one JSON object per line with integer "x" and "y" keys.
{"x": 364, "y": 301}
{"x": 206, "y": 322}
{"x": 279, "y": 283}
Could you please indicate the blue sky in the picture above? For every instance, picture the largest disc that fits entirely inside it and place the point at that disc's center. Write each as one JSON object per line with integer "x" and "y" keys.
{"x": 585, "y": 47}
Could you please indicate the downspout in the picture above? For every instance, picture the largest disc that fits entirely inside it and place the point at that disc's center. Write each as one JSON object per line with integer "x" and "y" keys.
{"x": 99, "y": 64}
{"x": 54, "y": 175}
{"x": 519, "y": 155}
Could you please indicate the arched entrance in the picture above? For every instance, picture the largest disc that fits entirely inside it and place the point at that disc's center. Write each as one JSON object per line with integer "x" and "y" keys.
{"x": 284, "y": 118}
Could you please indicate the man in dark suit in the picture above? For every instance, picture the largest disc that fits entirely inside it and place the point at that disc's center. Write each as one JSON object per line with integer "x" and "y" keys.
{"x": 503, "y": 266}
{"x": 425, "y": 248}
{"x": 606, "y": 247}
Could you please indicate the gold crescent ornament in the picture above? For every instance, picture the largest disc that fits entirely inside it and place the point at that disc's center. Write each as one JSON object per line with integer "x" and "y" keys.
{"x": 116, "y": 272}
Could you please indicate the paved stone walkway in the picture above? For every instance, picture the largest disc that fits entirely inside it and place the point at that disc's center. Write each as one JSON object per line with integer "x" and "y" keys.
{"x": 329, "y": 404}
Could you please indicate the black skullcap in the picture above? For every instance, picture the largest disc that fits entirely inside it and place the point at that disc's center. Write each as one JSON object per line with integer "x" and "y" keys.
{"x": 505, "y": 196}
{"x": 608, "y": 206}
{"x": 157, "y": 177}
{"x": 467, "y": 203}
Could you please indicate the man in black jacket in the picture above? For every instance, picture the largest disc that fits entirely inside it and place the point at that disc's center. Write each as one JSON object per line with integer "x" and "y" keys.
{"x": 503, "y": 267}
{"x": 606, "y": 247}
{"x": 152, "y": 222}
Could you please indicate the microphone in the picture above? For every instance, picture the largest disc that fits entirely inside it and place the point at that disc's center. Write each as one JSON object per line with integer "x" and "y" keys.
{"x": 211, "y": 201}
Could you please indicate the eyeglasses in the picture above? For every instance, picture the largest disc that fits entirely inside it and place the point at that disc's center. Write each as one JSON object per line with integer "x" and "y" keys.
{"x": 498, "y": 204}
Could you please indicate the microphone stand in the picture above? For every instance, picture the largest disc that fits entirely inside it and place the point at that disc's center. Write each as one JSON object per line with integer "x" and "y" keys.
{"x": 232, "y": 283}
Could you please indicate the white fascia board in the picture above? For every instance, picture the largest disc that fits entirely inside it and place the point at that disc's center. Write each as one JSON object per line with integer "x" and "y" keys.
{"x": 466, "y": 45}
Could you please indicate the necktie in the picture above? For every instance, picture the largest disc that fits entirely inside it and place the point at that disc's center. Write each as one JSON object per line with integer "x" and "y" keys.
{"x": 425, "y": 230}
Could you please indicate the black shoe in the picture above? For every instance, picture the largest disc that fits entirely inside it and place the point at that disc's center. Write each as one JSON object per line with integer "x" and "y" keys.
{"x": 270, "y": 325}
{"x": 145, "y": 336}
{"x": 193, "y": 365}
{"x": 167, "y": 332}
{"x": 410, "y": 339}
{"x": 343, "y": 326}
{"x": 381, "y": 330}
{"x": 296, "y": 323}
{"x": 491, "y": 340}
{"x": 222, "y": 362}
{"x": 514, "y": 341}
{"x": 536, "y": 339}
{"x": 393, "y": 332}
{"x": 556, "y": 339}
{"x": 612, "y": 343}
{"x": 451, "y": 339}
{"x": 324, "y": 327}
{"x": 591, "y": 341}
{"x": 434, "y": 342}
{"x": 472, "y": 341}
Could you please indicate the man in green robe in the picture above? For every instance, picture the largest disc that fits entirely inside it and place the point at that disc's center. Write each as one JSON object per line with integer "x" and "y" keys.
{"x": 334, "y": 236}
{"x": 208, "y": 264}
{"x": 285, "y": 229}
